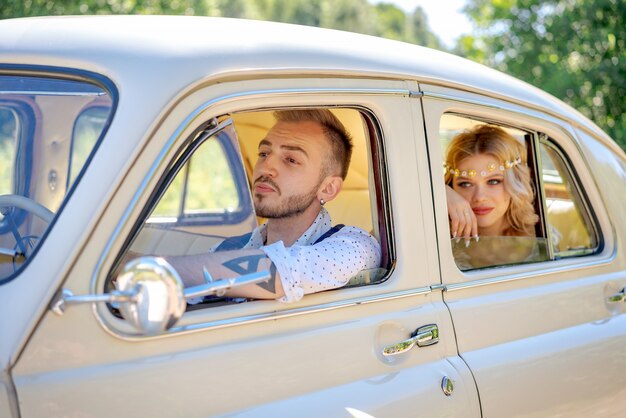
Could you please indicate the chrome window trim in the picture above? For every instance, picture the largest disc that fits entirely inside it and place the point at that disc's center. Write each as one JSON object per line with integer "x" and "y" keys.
{"x": 272, "y": 316}
{"x": 100, "y": 311}
{"x": 562, "y": 265}
{"x": 541, "y": 194}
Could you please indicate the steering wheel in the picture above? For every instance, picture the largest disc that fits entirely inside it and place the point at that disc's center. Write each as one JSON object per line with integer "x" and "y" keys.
{"x": 29, "y": 205}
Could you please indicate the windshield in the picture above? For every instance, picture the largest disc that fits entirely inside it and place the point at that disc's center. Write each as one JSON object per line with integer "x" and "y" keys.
{"x": 48, "y": 129}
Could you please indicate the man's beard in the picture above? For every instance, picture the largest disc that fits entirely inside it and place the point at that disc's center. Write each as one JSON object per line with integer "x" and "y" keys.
{"x": 291, "y": 206}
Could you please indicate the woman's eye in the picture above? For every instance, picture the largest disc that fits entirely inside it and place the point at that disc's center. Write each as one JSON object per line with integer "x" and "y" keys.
{"x": 494, "y": 182}
{"x": 464, "y": 184}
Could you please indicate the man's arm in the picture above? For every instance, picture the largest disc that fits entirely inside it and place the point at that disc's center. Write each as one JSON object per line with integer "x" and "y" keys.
{"x": 230, "y": 264}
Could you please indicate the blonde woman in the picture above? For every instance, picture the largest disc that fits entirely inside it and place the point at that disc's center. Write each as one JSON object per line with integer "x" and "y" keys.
{"x": 488, "y": 189}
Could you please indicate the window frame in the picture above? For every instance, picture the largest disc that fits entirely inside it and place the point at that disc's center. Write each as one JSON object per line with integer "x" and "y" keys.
{"x": 253, "y": 101}
{"x": 213, "y": 127}
{"x": 534, "y": 139}
{"x": 437, "y": 101}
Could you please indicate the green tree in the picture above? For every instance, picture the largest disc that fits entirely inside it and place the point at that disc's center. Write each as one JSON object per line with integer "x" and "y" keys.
{"x": 392, "y": 22}
{"x": 382, "y": 19}
{"x": 574, "y": 49}
{"x": 25, "y": 8}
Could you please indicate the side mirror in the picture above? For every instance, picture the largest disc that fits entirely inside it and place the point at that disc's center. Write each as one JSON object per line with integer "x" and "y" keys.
{"x": 151, "y": 295}
{"x": 159, "y": 300}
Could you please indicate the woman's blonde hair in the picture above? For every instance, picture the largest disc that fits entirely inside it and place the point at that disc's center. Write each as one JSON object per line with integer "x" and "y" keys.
{"x": 495, "y": 141}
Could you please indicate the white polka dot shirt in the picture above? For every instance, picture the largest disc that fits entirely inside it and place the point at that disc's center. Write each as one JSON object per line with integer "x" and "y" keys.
{"x": 306, "y": 267}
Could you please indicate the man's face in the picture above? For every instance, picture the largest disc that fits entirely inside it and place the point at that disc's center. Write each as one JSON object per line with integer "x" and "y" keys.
{"x": 288, "y": 173}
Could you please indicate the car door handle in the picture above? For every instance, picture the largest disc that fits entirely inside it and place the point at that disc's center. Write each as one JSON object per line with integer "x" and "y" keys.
{"x": 618, "y": 297}
{"x": 422, "y": 337}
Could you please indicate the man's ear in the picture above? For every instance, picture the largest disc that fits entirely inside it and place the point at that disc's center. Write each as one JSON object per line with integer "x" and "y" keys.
{"x": 330, "y": 188}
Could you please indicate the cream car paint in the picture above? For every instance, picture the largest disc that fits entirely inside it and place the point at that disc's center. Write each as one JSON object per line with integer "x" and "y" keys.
{"x": 532, "y": 340}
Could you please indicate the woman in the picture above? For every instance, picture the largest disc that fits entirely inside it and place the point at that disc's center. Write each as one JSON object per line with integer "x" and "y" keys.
{"x": 488, "y": 189}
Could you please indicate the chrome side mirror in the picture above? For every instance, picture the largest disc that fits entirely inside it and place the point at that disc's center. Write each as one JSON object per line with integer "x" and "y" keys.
{"x": 159, "y": 300}
{"x": 151, "y": 295}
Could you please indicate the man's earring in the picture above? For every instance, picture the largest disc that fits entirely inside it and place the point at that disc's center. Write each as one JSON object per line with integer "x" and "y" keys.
{"x": 322, "y": 202}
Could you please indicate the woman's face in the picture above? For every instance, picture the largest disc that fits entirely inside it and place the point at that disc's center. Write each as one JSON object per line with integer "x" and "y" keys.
{"x": 486, "y": 194}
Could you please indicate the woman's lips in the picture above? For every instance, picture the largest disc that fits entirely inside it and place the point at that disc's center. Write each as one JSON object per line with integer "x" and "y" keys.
{"x": 482, "y": 211}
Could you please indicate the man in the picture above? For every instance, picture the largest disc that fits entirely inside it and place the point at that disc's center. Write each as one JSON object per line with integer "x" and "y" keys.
{"x": 302, "y": 163}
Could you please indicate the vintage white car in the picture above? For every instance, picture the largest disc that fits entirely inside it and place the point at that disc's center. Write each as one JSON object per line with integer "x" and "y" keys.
{"x": 139, "y": 133}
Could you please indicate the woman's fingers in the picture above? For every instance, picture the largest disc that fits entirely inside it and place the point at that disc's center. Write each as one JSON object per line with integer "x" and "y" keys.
{"x": 463, "y": 222}
{"x": 468, "y": 221}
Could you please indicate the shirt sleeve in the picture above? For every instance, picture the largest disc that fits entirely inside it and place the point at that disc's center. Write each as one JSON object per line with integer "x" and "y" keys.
{"x": 326, "y": 265}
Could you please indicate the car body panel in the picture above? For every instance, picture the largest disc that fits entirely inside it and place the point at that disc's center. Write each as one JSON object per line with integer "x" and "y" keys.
{"x": 348, "y": 336}
{"x": 513, "y": 335}
{"x": 538, "y": 329}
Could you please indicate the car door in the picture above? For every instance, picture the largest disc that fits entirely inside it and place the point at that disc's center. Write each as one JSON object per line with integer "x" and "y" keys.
{"x": 542, "y": 336}
{"x": 321, "y": 356}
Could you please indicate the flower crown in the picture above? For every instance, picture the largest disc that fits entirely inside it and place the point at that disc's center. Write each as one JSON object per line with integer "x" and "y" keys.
{"x": 491, "y": 167}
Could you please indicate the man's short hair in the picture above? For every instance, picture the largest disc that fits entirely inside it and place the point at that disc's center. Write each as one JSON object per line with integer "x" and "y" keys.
{"x": 339, "y": 138}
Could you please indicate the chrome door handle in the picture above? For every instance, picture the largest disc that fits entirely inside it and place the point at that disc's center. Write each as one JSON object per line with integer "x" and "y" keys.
{"x": 422, "y": 337}
{"x": 618, "y": 297}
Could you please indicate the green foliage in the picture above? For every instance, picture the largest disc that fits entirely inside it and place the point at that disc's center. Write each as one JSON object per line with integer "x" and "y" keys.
{"x": 205, "y": 184}
{"x": 574, "y": 49}
{"x": 360, "y": 16}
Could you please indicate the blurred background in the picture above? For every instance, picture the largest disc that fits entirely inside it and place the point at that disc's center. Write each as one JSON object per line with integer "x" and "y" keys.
{"x": 573, "y": 49}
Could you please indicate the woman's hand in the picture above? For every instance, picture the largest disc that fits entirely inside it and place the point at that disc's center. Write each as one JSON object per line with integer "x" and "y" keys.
{"x": 463, "y": 222}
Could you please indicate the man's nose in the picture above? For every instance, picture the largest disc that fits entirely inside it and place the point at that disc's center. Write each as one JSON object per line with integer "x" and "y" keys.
{"x": 267, "y": 166}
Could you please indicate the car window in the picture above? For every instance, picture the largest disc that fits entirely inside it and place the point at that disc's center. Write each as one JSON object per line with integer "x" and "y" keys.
{"x": 40, "y": 118}
{"x": 521, "y": 217}
{"x": 205, "y": 189}
{"x": 205, "y": 199}
{"x": 87, "y": 129}
{"x": 570, "y": 225}
{"x": 10, "y": 126}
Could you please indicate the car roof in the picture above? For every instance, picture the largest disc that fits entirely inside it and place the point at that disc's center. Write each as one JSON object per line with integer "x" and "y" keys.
{"x": 172, "y": 52}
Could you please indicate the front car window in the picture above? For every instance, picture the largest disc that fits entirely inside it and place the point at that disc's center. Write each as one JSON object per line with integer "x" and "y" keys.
{"x": 48, "y": 129}
{"x": 204, "y": 202}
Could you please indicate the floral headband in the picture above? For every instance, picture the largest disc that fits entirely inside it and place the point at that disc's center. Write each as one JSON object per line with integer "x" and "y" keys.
{"x": 491, "y": 167}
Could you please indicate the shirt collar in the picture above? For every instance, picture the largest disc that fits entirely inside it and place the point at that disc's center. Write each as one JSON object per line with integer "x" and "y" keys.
{"x": 320, "y": 225}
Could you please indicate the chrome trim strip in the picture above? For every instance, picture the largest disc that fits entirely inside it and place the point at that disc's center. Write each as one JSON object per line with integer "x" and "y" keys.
{"x": 534, "y": 273}
{"x": 428, "y": 94}
{"x": 272, "y": 316}
{"x": 161, "y": 159}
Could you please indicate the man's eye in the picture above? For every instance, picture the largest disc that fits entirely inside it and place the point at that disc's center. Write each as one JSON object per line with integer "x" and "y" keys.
{"x": 262, "y": 154}
{"x": 291, "y": 160}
